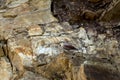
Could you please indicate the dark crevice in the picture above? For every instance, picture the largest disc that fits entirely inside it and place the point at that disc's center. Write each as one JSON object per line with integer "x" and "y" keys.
{"x": 72, "y": 10}
{"x": 4, "y": 46}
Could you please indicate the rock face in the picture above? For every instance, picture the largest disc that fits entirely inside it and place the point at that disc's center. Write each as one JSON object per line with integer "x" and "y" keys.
{"x": 5, "y": 69}
{"x": 34, "y": 45}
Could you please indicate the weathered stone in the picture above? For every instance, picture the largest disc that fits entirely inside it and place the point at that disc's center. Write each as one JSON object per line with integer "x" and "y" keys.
{"x": 11, "y": 13}
{"x": 20, "y": 55}
{"x": 3, "y": 10}
{"x": 46, "y": 48}
{"x": 35, "y": 30}
{"x": 39, "y": 17}
{"x": 6, "y": 32}
{"x": 32, "y": 76}
{"x": 2, "y": 3}
{"x": 23, "y": 51}
{"x": 5, "y": 69}
{"x": 40, "y": 4}
{"x": 82, "y": 34}
{"x": 57, "y": 66}
{"x": 16, "y": 3}
{"x": 33, "y": 41}
{"x": 112, "y": 47}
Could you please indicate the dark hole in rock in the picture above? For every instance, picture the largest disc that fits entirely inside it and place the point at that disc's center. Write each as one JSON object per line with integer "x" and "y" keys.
{"x": 78, "y": 11}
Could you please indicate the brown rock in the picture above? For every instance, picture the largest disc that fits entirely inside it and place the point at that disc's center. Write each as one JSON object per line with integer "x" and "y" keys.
{"x": 96, "y": 72}
{"x": 112, "y": 13}
{"x": 20, "y": 55}
{"x": 58, "y": 66}
{"x": 89, "y": 15}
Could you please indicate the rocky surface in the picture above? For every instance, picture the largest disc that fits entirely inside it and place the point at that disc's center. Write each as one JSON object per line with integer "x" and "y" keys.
{"x": 41, "y": 40}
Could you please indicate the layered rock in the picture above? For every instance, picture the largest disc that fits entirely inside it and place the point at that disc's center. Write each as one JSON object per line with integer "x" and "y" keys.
{"x": 33, "y": 45}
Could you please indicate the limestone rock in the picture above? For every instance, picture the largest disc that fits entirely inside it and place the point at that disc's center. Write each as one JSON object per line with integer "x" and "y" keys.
{"x": 5, "y": 69}
{"x": 57, "y": 66}
{"x": 2, "y": 4}
{"x": 35, "y": 30}
{"x": 53, "y": 29}
{"x": 47, "y": 47}
{"x": 39, "y": 17}
{"x": 11, "y": 13}
{"x": 6, "y": 32}
{"x": 16, "y": 3}
{"x": 40, "y": 4}
{"x": 20, "y": 55}
{"x": 32, "y": 42}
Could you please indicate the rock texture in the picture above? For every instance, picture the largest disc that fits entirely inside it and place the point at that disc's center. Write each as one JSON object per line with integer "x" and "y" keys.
{"x": 112, "y": 13}
{"x": 34, "y": 45}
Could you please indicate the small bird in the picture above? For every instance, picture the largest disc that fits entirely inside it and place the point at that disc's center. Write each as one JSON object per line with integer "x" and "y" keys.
{"x": 68, "y": 46}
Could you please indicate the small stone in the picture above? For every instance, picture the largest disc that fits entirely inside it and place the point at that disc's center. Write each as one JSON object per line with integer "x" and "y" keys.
{"x": 35, "y": 30}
